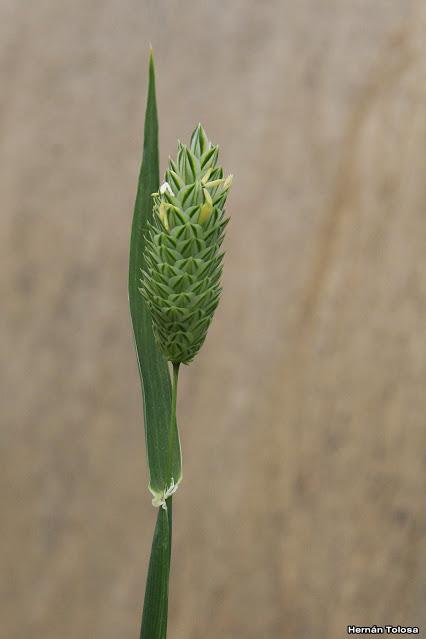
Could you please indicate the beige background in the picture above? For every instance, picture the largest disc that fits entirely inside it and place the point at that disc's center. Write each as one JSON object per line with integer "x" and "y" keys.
{"x": 303, "y": 419}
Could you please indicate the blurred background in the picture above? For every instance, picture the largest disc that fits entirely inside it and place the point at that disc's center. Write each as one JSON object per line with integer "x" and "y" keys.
{"x": 303, "y": 419}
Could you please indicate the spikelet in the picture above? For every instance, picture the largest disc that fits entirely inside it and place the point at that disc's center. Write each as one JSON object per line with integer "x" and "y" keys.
{"x": 181, "y": 280}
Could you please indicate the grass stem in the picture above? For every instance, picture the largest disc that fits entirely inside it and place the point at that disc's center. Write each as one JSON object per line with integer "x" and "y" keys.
{"x": 173, "y": 425}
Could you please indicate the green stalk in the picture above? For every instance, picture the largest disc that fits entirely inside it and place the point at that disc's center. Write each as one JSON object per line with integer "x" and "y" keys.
{"x": 173, "y": 421}
{"x": 155, "y": 611}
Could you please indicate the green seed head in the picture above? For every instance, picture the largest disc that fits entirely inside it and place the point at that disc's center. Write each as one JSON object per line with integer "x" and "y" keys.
{"x": 181, "y": 280}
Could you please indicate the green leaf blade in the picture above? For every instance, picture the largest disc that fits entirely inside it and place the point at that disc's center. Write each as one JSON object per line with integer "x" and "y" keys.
{"x": 153, "y": 369}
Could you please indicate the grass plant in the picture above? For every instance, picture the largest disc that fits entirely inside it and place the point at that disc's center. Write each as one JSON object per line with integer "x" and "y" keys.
{"x": 175, "y": 269}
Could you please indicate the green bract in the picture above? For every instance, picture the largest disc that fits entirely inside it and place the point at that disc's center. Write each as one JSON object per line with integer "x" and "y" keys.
{"x": 183, "y": 262}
